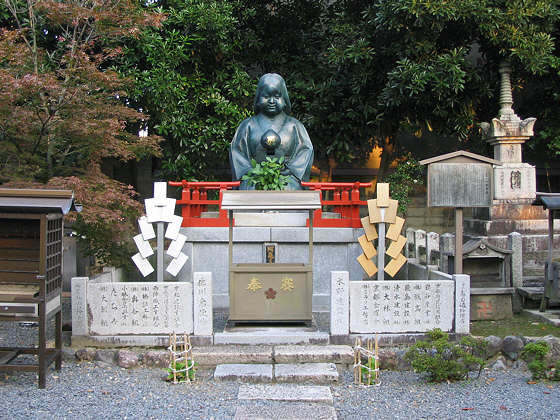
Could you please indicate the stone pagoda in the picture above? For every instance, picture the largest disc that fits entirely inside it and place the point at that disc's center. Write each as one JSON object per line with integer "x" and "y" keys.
{"x": 514, "y": 191}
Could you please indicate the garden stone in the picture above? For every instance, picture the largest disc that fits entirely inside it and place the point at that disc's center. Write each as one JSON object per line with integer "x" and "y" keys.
{"x": 101, "y": 364}
{"x": 127, "y": 359}
{"x": 512, "y": 347}
{"x": 159, "y": 359}
{"x": 107, "y": 356}
{"x": 494, "y": 346}
{"x": 553, "y": 354}
{"x": 401, "y": 363}
{"x": 520, "y": 365}
{"x": 68, "y": 355}
{"x": 85, "y": 355}
{"x": 388, "y": 359}
{"x": 499, "y": 364}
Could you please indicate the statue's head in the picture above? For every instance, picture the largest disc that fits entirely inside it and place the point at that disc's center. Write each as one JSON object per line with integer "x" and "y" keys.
{"x": 272, "y": 84}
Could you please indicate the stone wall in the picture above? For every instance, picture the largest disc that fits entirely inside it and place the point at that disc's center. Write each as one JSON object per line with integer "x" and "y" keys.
{"x": 432, "y": 300}
{"x": 106, "y": 311}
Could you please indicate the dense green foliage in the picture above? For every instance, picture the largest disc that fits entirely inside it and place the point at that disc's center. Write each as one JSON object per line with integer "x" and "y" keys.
{"x": 442, "y": 360}
{"x": 192, "y": 81}
{"x": 401, "y": 182}
{"x": 267, "y": 175}
{"x": 534, "y": 354}
{"x": 360, "y": 73}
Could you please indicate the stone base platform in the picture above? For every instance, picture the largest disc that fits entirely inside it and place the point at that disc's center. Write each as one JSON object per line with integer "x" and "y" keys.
{"x": 316, "y": 373}
{"x": 552, "y": 316}
{"x": 290, "y": 412}
{"x": 491, "y": 303}
{"x": 267, "y": 355}
{"x": 271, "y": 335}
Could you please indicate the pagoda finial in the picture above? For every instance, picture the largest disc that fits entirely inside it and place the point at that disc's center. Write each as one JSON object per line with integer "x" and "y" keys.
{"x": 507, "y": 132}
{"x": 506, "y": 97}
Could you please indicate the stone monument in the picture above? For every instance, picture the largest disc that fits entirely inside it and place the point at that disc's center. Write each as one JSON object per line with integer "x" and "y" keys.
{"x": 514, "y": 190}
{"x": 514, "y": 181}
{"x": 272, "y": 133}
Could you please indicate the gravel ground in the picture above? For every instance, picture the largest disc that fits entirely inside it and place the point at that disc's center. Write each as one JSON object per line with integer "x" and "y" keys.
{"x": 88, "y": 391}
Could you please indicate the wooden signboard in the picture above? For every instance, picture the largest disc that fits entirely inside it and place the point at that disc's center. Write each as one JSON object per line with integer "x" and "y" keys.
{"x": 460, "y": 179}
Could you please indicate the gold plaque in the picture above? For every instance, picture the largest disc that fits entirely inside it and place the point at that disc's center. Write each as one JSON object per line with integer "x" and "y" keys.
{"x": 391, "y": 212}
{"x": 369, "y": 229}
{"x": 396, "y": 247}
{"x": 374, "y": 213}
{"x": 382, "y": 195}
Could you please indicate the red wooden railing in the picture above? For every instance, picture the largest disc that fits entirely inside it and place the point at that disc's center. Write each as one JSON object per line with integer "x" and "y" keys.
{"x": 194, "y": 200}
{"x": 345, "y": 201}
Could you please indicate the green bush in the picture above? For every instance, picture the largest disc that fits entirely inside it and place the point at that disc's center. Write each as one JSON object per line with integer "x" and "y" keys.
{"x": 443, "y": 360}
{"x": 401, "y": 182}
{"x": 267, "y": 175}
{"x": 534, "y": 354}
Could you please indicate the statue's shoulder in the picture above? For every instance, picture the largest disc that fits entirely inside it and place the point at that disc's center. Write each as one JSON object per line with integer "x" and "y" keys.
{"x": 247, "y": 122}
{"x": 245, "y": 125}
{"x": 293, "y": 122}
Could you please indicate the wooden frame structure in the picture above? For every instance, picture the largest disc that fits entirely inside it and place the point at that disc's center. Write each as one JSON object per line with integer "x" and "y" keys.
{"x": 270, "y": 291}
{"x": 31, "y": 231}
{"x": 339, "y": 197}
{"x": 550, "y": 202}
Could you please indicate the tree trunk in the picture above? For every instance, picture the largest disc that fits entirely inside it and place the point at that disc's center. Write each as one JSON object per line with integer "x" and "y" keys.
{"x": 387, "y": 156}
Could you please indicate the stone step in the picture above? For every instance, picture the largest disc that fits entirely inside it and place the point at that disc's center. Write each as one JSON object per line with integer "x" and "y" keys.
{"x": 283, "y": 392}
{"x": 317, "y": 373}
{"x": 272, "y": 336}
{"x": 285, "y": 412}
{"x": 263, "y": 373}
{"x": 244, "y": 372}
{"x": 339, "y": 354}
{"x": 227, "y": 354}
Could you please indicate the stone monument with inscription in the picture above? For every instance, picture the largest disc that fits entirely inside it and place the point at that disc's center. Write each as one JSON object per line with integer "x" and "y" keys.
{"x": 514, "y": 189}
{"x": 398, "y": 308}
{"x": 515, "y": 181}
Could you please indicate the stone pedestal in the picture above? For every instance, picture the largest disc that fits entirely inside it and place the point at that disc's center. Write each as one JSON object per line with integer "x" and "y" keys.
{"x": 515, "y": 181}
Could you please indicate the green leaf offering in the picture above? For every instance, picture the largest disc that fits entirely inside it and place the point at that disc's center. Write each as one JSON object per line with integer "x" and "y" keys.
{"x": 267, "y": 175}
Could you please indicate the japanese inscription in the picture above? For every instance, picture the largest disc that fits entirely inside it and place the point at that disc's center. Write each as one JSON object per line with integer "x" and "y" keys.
{"x": 339, "y": 302}
{"x": 460, "y": 185}
{"x": 287, "y": 284}
{"x": 140, "y": 308}
{"x": 254, "y": 284}
{"x": 202, "y": 283}
{"x": 403, "y": 306}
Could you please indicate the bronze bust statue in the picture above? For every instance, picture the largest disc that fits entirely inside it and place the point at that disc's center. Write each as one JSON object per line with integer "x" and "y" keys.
{"x": 272, "y": 132}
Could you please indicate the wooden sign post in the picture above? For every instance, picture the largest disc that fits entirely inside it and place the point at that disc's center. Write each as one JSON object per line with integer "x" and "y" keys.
{"x": 460, "y": 179}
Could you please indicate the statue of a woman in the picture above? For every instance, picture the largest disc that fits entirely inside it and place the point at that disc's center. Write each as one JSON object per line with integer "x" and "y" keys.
{"x": 272, "y": 132}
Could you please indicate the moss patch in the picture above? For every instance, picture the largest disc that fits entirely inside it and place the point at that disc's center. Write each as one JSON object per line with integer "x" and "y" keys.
{"x": 518, "y": 325}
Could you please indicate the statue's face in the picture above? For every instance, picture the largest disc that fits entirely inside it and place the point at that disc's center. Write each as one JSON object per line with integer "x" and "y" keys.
{"x": 271, "y": 102}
